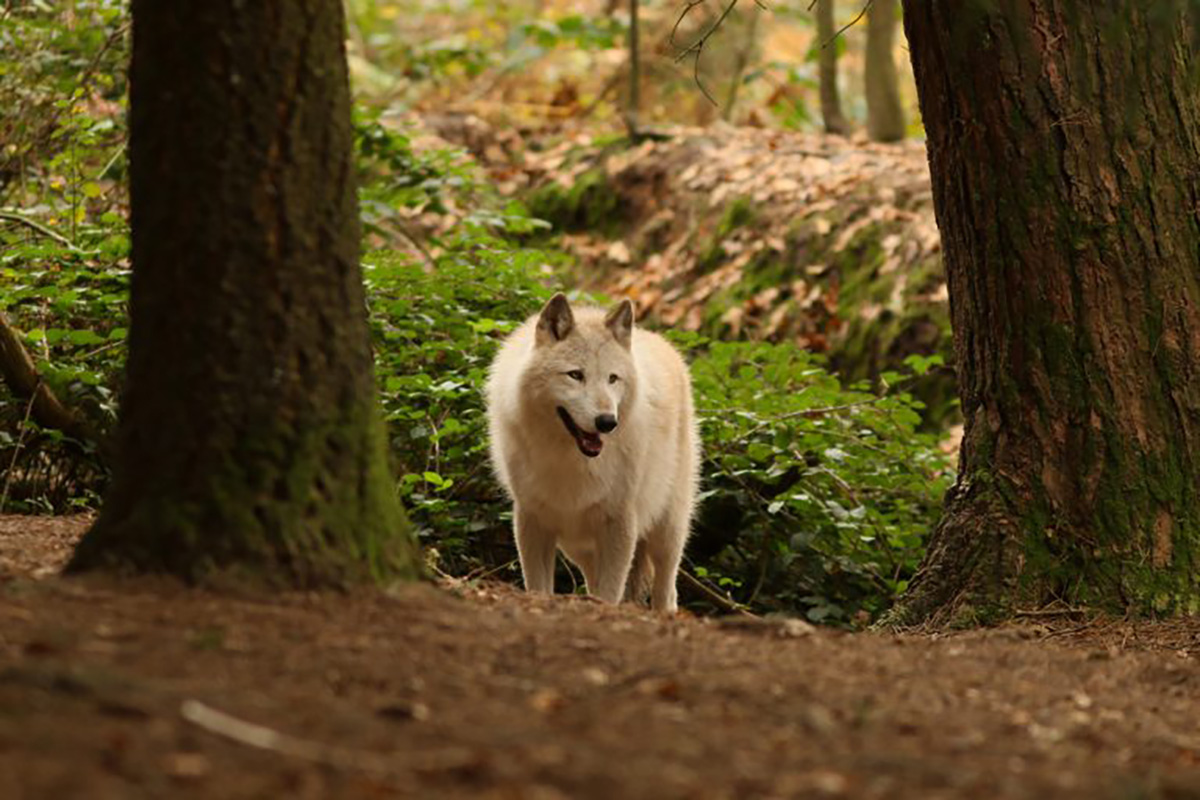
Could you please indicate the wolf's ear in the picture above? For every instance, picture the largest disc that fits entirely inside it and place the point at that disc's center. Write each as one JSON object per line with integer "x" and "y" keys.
{"x": 620, "y": 322}
{"x": 556, "y": 320}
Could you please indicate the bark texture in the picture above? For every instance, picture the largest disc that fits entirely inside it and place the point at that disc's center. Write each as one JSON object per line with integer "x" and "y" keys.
{"x": 827, "y": 71}
{"x": 250, "y": 440}
{"x": 885, "y": 113}
{"x": 1063, "y": 142}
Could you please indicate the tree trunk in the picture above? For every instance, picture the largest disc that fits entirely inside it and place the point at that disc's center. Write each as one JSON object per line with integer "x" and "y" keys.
{"x": 634, "y": 106}
{"x": 1063, "y": 143}
{"x": 249, "y": 439}
{"x": 827, "y": 70}
{"x": 747, "y": 51}
{"x": 885, "y": 114}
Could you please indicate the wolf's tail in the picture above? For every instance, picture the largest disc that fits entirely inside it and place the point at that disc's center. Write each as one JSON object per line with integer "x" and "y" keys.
{"x": 641, "y": 576}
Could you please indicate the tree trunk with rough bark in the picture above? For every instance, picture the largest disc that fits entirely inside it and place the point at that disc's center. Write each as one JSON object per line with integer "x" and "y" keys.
{"x": 885, "y": 113}
{"x": 1063, "y": 142}
{"x": 249, "y": 441}
{"x": 827, "y": 71}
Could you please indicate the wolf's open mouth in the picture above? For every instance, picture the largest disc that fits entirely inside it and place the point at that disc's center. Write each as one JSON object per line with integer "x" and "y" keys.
{"x": 590, "y": 444}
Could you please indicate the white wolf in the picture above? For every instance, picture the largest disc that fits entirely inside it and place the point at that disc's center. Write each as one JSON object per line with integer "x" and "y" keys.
{"x": 594, "y": 436}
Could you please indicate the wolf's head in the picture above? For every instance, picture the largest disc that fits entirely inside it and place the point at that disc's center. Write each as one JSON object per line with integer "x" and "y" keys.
{"x": 582, "y": 369}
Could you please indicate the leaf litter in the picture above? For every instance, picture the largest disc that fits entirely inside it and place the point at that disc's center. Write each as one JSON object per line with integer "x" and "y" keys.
{"x": 752, "y": 232}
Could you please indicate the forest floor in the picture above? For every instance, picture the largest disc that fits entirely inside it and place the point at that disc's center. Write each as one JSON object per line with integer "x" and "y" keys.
{"x": 125, "y": 688}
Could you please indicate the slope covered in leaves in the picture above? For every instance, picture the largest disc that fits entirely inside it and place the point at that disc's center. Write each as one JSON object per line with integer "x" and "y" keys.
{"x": 822, "y": 241}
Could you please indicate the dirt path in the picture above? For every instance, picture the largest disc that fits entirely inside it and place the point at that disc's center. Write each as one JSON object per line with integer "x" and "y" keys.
{"x": 119, "y": 689}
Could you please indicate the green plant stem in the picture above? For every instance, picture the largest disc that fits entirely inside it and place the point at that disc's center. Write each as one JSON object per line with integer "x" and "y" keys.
{"x": 40, "y": 228}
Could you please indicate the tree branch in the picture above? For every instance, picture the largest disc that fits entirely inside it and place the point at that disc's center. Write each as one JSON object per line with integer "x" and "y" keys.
{"x": 20, "y": 373}
{"x": 696, "y": 48}
{"x": 866, "y": 7}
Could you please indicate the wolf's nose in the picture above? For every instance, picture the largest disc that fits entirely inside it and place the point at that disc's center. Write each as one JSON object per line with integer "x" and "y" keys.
{"x": 606, "y": 423}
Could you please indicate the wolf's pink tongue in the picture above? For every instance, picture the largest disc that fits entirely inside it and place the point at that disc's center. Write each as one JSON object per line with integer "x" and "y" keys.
{"x": 590, "y": 443}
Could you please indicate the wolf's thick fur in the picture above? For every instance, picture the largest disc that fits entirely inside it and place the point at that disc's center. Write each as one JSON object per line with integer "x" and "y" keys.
{"x": 615, "y": 503}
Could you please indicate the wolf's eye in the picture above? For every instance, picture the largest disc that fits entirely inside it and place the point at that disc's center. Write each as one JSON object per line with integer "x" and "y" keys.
{"x": 576, "y": 374}
{"x": 613, "y": 378}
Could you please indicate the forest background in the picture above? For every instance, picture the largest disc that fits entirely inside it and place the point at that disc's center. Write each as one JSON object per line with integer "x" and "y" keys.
{"x": 504, "y": 153}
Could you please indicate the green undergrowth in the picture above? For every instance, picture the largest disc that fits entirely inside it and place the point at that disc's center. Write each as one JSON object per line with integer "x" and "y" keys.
{"x": 816, "y": 495}
{"x": 63, "y": 243}
{"x": 828, "y": 489}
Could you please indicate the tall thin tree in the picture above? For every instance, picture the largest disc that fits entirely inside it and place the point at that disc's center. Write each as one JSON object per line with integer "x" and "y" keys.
{"x": 634, "y": 105}
{"x": 885, "y": 112}
{"x": 827, "y": 70}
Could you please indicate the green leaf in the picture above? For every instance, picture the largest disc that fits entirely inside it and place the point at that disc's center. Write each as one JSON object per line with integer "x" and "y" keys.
{"x": 84, "y": 337}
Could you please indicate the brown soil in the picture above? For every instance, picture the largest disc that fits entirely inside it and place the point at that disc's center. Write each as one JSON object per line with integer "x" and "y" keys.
{"x": 124, "y": 688}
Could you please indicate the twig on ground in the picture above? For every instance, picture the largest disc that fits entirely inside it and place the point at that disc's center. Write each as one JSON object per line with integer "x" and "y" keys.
{"x": 12, "y": 464}
{"x": 263, "y": 738}
{"x": 726, "y": 603}
{"x": 1072, "y": 630}
{"x": 483, "y": 573}
{"x": 379, "y": 765}
{"x": 1051, "y": 612}
{"x": 567, "y": 563}
{"x": 39, "y": 227}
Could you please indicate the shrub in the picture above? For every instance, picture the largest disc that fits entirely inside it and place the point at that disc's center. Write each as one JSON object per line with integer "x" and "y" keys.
{"x": 436, "y": 330}
{"x": 816, "y": 496}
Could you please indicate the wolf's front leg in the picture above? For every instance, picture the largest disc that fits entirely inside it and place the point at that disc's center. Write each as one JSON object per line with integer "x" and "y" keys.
{"x": 614, "y": 556}
{"x": 665, "y": 549}
{"x": 536, "y": 543}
